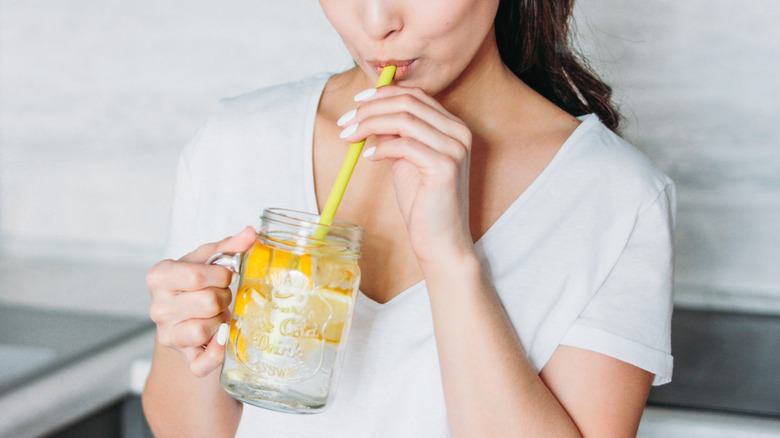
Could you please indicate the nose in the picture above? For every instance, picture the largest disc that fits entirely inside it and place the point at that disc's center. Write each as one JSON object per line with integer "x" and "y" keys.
{"x": 381, "y": 18}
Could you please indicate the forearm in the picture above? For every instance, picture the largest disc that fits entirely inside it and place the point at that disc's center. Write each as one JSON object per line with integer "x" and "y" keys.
{"x": 490, "y": 387}
{"x": 177, "y": 403}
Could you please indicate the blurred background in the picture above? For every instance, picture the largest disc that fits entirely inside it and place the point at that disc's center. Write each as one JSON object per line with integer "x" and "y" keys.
{"x": 97, "y": 99}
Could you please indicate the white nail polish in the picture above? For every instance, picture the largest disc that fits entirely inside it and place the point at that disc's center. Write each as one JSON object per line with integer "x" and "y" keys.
{"x": 222, "y": 334}
{"x": 365, "y": 94}
{"x": 349, "y": 115}
{"x": 349, "y": 130}
{"x": 369, "y": 152}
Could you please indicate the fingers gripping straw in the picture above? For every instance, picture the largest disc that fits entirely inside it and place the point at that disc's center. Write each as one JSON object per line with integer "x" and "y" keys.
{"x": 337, "y": 192}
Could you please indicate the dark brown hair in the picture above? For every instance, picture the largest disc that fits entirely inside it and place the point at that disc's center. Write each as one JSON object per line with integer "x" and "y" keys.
{"x": 533, "y": 40}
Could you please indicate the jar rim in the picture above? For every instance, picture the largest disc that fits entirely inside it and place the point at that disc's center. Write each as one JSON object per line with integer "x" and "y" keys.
{"x": 307, "y": 220}
{"x": 296, "y": 229}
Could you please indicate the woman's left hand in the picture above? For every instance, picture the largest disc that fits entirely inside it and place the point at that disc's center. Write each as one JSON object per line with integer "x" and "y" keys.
{"x": 430, "y": 149}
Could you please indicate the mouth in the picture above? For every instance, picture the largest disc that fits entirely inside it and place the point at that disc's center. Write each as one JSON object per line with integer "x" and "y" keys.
{"x": 402, "y": 67}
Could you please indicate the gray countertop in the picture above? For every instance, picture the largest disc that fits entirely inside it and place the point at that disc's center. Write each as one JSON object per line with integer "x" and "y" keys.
{"x": 69, "y": 333}
{"x": 659, "y": 422}
{"x": 726, "y": 361}
{"x": 68, "y": 393}
{"x": 35, "y": 341}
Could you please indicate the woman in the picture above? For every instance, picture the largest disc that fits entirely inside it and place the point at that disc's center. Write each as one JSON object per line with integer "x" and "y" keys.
{"x": 516, "y": 266}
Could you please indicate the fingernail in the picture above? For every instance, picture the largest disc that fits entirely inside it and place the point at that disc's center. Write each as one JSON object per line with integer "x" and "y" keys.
{"x": 222, "y": 334}
{"x": 349, "y": 130}
{"x": 369, "y": 152}
{"x": 365, "y": 94}
{"x": 349, "y": 115}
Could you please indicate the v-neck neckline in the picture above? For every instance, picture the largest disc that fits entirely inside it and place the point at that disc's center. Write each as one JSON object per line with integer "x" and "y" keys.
{"x": 307, "y": 151}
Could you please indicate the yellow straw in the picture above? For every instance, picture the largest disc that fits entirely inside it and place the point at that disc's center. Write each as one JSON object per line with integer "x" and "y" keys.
{"x": 337, "y": 192}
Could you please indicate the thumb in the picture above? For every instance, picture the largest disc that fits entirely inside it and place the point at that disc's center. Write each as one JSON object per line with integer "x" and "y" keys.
{"x": 237, "y": 243}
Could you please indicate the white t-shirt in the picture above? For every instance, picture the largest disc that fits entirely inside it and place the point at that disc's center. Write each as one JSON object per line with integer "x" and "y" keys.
{"x": 583, "y": 258}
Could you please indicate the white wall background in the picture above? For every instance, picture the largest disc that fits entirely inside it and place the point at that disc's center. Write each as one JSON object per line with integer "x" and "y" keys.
{"x": 97, "y": 98}
{"x": 699, "y": 84}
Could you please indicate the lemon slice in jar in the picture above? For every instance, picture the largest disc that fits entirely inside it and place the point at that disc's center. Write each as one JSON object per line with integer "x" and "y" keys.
{"x": 257, "y": 261}
{"x": 330, "y": 312}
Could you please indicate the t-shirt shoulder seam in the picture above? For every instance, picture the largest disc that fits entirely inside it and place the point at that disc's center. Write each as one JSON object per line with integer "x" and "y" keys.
{"x": 630, "y": 154}
{"x": 663, "y": 191}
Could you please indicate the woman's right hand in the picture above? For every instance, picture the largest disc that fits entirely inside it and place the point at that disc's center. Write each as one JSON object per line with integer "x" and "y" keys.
{"x": 190, "y": 300}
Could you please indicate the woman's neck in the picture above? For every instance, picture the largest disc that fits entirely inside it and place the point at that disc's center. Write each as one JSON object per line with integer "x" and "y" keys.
{"x": 484, "y": 78}
{"x": 487, "y": 96}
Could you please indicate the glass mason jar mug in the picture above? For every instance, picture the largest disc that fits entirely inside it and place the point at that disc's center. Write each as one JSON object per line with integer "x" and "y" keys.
{"x": 292, "y": 312}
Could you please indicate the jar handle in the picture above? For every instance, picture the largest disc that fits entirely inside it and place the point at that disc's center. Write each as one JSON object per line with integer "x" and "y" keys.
{"x": 230, "y": 260}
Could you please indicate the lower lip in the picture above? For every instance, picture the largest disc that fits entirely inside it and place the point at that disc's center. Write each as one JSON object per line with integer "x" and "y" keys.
{"x": 402, "y": 69}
